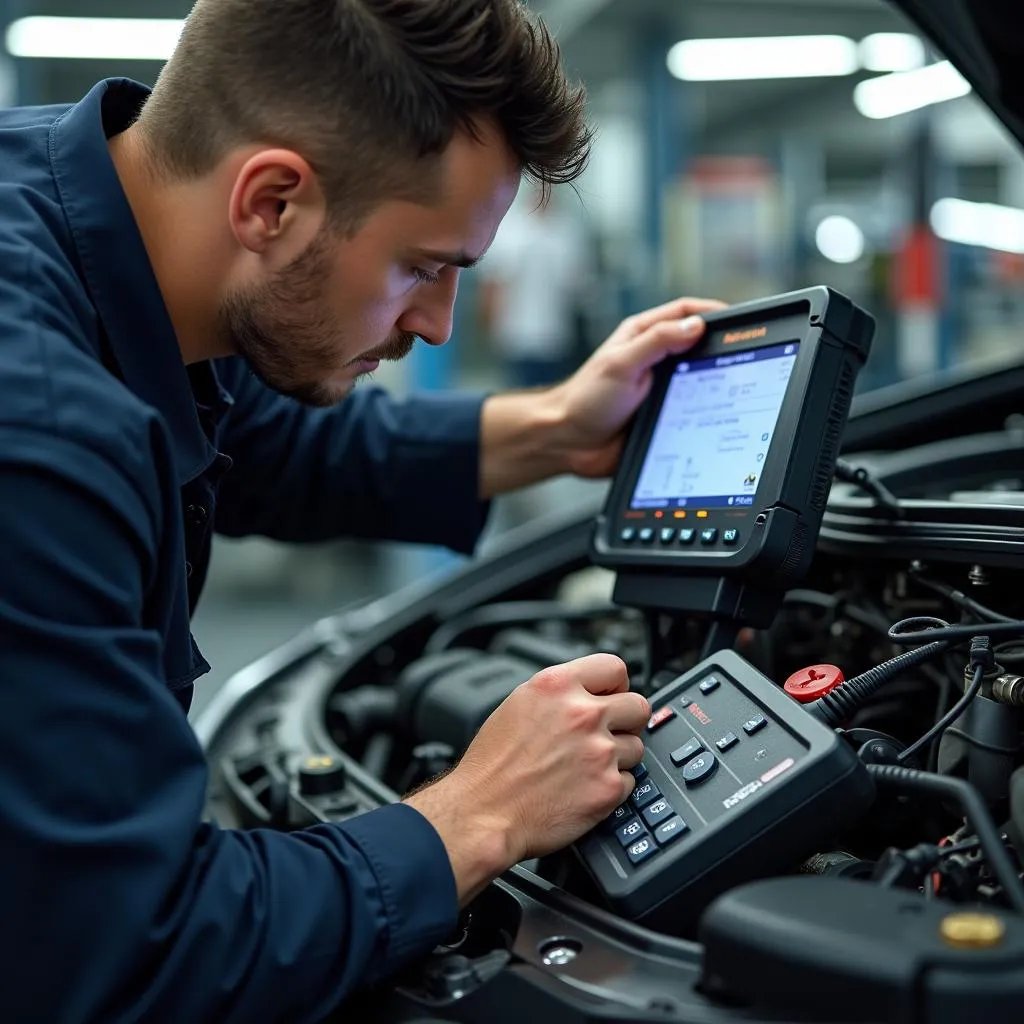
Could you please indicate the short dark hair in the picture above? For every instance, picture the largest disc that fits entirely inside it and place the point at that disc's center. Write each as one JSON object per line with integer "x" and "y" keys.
{"x": 368, "y": 91}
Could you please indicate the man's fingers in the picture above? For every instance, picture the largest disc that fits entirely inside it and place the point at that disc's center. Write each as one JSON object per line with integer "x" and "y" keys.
{"x": 677, "y": 309}
{"x": 670, "y": 337}
{"x": 629, "y": 750}
{"x": 627, "y": 712}
{"x": 602, "y": 674}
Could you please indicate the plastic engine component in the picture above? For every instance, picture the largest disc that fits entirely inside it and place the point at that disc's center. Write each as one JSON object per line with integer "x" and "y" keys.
{"x": 835, "y": 950}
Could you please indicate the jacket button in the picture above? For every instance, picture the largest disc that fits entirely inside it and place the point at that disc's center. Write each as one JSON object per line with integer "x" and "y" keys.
{"x": 188, "y": 570}
{"x": 196, "y": 514}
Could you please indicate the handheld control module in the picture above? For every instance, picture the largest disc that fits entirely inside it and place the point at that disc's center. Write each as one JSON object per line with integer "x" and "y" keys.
{"x": 737, "y": 781}
{"x": 729, "y": 464}
{"x": 714, "y": 514}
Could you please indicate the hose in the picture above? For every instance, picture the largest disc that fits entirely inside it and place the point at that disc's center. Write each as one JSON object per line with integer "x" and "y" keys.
{"x": 898, "y": 777}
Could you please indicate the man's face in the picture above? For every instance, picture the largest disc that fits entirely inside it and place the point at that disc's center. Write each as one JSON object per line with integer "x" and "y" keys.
{"x": 310, "y": 329}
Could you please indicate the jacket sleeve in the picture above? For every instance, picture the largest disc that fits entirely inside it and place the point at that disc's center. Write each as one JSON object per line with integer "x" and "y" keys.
{"x": 120, "y": 903}
{"x": 369, "y": 467}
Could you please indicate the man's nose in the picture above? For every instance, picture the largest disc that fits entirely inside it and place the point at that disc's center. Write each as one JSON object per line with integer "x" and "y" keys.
{"x": 432, "y": 311}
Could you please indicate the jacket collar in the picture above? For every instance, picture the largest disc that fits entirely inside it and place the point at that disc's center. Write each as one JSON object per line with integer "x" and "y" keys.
{"x": 117, "y": 270}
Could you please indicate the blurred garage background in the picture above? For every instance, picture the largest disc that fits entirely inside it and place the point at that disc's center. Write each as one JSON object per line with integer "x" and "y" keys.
{"x": 744, "y": 147}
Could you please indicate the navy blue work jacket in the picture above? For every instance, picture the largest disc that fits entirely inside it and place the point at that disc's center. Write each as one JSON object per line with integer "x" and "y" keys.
{"x": 116, "y": 463}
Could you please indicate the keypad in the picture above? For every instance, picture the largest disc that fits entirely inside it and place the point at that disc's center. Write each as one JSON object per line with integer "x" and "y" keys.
{"x": 620, "y": 815}
{"x": 660, "y": 717}
{"x": 630, "y": 832}
{"x": 730, "y": 739}
{"x": 667, "y": 535}
{"x": 700, "y": 769}
{"x": 646, "y": 535}
{"x": 660, "y": 810}
{"x": 708, "y": 536}
{"x": 628, "y": 535}
{"x": 730, "y": 537}
{"x": 689, "y": 749}
{"x": 687, "y": 535}
{"x": 641, "y": 850}
{"x": 756, "y": 724}
{"x": 710, "y": 684}
{"x": 640, "y": 771}
{"x": 670, "y": 830}
{"x": 646, "y": 792}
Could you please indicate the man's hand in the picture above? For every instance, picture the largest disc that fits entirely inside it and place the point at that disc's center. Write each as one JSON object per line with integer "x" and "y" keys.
{"x": 579, "y": 426}
{"x": 545, "y": 768}
{"x": 598, "y": 401}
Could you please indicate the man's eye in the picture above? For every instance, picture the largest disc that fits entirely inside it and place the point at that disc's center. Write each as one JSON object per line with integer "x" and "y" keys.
{"x": 425, "y": 276}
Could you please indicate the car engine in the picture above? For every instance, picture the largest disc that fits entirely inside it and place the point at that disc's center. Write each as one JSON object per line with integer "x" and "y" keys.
{"x": 921, "y": 547}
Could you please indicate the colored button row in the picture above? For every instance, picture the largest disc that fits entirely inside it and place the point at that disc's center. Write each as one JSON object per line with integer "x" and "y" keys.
{"x": 685, "y": 536}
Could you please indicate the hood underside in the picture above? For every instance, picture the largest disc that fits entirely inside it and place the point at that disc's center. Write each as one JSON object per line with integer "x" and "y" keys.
{"x": 984, "y": 39}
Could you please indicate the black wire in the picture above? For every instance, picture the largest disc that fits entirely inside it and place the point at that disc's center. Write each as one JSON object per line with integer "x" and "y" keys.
{"x": 975, "y": 812}
{"x": 948, "y": 718}
{"x": 960, "y": 599}
{"x": 939, "y": 629}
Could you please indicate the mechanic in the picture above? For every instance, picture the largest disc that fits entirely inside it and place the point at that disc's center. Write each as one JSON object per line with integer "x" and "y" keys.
{"x": 190, "y": 282}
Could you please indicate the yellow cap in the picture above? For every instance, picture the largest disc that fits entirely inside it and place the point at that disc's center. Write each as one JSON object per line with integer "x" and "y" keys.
{"x": 972, "y": 930}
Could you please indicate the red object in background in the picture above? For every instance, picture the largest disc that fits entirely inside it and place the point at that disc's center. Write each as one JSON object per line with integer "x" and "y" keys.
{"x": 811, "y": 683}
{"x": 917, "y": 275}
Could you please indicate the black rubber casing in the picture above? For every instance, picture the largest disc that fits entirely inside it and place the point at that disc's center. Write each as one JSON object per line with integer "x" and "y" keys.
{"x": 778, "y": 532}
{"x": 774, "y": 797}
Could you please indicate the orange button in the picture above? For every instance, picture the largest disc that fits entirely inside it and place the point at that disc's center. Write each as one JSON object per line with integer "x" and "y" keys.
{"x": 679, "y": 515}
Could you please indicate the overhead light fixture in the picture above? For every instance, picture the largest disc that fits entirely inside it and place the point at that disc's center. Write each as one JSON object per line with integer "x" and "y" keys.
{"x": 899, "y": 93}
{"x": 94, "y": 38}
{"x": 839, "y": 239}
{"x": 891, "y": 51}
{"x": 711, "y": 60}
{"x": 984, "y": 224}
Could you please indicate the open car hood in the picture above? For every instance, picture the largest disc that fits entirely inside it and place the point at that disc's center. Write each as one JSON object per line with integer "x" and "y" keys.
{"x": 979, "y": 38}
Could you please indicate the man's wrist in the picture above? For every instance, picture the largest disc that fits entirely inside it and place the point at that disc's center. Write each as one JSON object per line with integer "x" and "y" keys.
{"x": 524, "y": 438}
{"x": 480, "y": 844}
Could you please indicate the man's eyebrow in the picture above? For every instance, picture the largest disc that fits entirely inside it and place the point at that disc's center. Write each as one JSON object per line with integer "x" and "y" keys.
{"x": 450, "y": 259}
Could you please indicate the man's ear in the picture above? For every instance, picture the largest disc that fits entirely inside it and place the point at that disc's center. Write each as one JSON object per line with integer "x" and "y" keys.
{"x": 277, "y": 207}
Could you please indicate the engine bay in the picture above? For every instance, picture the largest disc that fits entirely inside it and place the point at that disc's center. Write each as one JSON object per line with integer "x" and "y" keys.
{"x": 903, "y": 641}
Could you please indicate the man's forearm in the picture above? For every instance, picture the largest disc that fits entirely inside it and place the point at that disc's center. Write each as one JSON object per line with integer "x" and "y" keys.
{"x": 520, "y": 441}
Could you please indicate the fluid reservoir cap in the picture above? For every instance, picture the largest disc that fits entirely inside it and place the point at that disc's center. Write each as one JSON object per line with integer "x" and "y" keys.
{"x": 321, "y": 775}
{"x": 811, "y": 683}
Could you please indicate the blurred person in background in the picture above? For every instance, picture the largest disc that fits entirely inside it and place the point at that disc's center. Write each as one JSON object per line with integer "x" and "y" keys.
{"x": 534, "y": 286}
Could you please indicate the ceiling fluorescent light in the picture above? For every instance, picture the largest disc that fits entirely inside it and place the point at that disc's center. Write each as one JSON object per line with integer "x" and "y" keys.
{"x": 709, "y": 60}
{"x": 984, "y": 224}
{"x": 904, "y": 91}
{"x": 94, "y": 38}
{"x": 891, "y": 51}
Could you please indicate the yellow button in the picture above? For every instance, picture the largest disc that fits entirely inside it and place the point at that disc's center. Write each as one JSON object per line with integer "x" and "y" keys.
{"x": 702, "y": 515}
{"x": 972, "y": 931}
{"x": 319, "y": 762}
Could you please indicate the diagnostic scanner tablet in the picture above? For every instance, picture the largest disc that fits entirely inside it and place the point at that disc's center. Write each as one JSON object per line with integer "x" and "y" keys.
{"x": 730, "y": 460}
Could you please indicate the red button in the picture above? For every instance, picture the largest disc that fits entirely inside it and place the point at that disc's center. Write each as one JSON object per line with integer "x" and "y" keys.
{"x": 660, "y": 717}
{"x": 811, "y": 683}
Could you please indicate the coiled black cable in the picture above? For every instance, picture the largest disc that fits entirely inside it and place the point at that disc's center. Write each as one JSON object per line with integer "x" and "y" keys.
{"x": 845, "y": 701}
{"x": 899, "y": 777}
{"x": 925, "y": 629}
